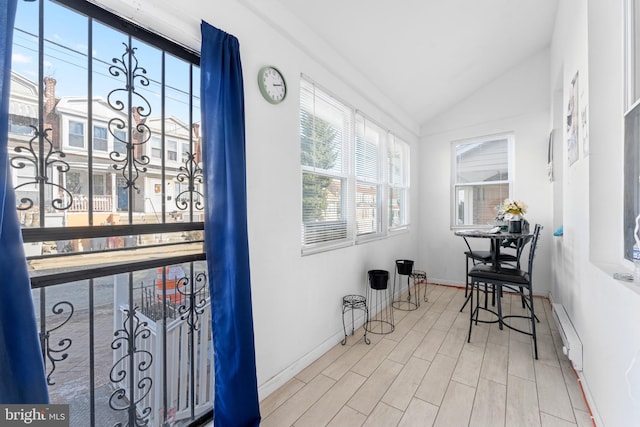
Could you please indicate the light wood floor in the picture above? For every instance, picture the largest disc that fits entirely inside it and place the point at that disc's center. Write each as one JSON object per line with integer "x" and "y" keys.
{"x": 426, "y": 374}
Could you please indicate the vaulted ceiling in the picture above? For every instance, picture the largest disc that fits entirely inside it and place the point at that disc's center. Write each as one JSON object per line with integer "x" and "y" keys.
{"x": 427, "y": 55}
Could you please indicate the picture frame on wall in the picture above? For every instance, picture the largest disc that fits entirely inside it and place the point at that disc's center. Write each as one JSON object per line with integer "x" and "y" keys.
{"x": 573, "y": 151}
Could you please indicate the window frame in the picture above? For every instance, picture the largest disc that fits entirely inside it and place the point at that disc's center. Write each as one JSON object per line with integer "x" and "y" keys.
{"x": 402, "y": 185}
{"x": 340, "y": 229}
{"x": 172, "y": 152}
{"x": 364, "y": 178}
{"x": 631, "y": 118}
{"x": 105, "y": 140}
{"x": 510, "y": 138}
{"x": 80, "y": 136}
{"x": 350, "y": 180}
{"x": 59, "y": 171}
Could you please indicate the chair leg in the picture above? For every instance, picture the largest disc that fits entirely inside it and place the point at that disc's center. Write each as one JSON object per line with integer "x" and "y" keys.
{"x": 524, "y": 305}
{"x": 499, "y": 291}
{"x": 470, "y": 314}
{"x": 466, "y": 285}
{"x": 533, "y": 324}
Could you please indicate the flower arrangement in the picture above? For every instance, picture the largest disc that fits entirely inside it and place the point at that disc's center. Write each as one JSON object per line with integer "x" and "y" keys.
{"x": 512, "y": 208}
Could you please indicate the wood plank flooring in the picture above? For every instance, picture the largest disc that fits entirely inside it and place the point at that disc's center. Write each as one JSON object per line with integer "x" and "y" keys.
{"x": 426, "y": 374}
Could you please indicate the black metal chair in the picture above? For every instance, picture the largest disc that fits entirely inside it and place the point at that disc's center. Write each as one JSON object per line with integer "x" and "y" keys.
{"x": 486, "y": 257}
{"x": 514, "y": 279}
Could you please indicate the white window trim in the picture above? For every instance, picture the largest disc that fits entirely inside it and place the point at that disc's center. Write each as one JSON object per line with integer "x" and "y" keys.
{"x": 381, "y": 183}
{"x": 66, "y": 129}
{"x": 404, "y": 186}
{"x": 350, "y": 178}
{"x": 510, "y": 137}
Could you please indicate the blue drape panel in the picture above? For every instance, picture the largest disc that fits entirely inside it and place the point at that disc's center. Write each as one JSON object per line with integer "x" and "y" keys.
{"x": 22, "y": 378}
{"x": 222, "y": 98}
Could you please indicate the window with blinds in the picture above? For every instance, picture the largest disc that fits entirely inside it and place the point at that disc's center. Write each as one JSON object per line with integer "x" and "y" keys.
{"x": 351, "y": 169}
{"x": 370, "y": 139}
{"x": 398, "y": 176}
{"x": 325, "y": 134}
{"x": 481, "y": 178}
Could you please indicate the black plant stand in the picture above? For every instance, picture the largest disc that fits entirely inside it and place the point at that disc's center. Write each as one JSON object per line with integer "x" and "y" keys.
{"x": 351, "y": 303}
{"x": 404, "y": 267}
{"x": 380, "y": 303}
{"x": 418, "y": 276}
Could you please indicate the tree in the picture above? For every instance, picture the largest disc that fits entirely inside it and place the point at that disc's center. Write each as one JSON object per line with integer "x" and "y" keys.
{"x": 317, "y": 141}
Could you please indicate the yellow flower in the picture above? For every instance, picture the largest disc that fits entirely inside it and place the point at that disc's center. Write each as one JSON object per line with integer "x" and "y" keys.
{"x": 513, "y": 207}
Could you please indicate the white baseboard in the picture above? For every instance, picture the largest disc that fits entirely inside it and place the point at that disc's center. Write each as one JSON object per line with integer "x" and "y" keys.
{"x": 587, "y": 395}
{"x": 281, "y": 378}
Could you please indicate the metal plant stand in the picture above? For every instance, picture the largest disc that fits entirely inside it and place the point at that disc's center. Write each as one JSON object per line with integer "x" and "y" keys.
{"x": 351, "y": 303}
{"x": 404, "y": 267}
{"x": 418, "y": 276}
{"x": 380, "y": 301}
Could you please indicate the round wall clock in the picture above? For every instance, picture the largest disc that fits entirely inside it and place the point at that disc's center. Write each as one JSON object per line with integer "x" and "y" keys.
{"x": 272, "y": 84}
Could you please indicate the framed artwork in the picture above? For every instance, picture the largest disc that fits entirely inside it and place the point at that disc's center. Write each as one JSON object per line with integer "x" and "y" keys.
{"x": 572, "y": 122}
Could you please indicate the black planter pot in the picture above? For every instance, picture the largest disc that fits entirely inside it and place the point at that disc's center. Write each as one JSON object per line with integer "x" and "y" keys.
{"x": 404, "y": 266}
{"x": 378, "y": 279}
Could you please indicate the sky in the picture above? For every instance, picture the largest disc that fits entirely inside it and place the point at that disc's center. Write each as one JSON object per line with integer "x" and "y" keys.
{"x": 65, "y": 58}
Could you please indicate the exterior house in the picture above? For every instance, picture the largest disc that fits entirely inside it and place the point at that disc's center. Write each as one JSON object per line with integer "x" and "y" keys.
{"x": 71, "y": 141}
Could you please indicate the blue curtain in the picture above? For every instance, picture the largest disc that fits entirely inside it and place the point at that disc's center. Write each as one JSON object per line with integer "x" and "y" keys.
{"x": 222, "y": 98}
{"x": 22, "y": 378}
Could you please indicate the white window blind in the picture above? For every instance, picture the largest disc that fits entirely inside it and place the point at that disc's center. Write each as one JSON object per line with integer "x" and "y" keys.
{"x": 355, "y": 174}
{"x": 325, "y": 134}
{"x": 398, "y": 177}
{"x": 370, "y": 139}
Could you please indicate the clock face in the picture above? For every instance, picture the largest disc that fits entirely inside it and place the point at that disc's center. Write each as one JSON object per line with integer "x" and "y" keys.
{"x": 272, "y": 84}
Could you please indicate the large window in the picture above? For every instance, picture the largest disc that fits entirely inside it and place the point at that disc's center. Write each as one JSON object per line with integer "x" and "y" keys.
{"x": 325, "y": 135}
{"x": 481, "y": 176}
{"x": 352, "y": 170}
{"x": 116, "y": 260}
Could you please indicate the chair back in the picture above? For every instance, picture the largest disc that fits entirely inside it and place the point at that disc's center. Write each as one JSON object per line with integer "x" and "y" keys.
{"x": 532, "y": 250}
{"x": 518, "y": 245}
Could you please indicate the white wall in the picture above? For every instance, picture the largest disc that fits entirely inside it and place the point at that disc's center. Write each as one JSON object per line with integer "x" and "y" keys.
{"x": 605, "y": 312}
{"x": 296, "y": 299}
{"x": 518, "y": 102}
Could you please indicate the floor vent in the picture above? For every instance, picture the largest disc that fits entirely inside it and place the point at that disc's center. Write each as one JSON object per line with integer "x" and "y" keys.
{"x": 572, "y": 346}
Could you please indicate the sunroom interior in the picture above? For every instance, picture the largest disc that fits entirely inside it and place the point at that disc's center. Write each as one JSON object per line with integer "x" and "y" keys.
{"x": 434, "y": 74}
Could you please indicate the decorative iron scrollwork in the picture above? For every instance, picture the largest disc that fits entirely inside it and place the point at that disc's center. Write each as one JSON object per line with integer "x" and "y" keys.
{"x": 129, "y": 340}
{"x": 41, "y": 161}
{"x": 191, "y": 313}
{"x": 127, "y": 66}
{"x": 190, "y": 173}
{"x": 57, "y": 354}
